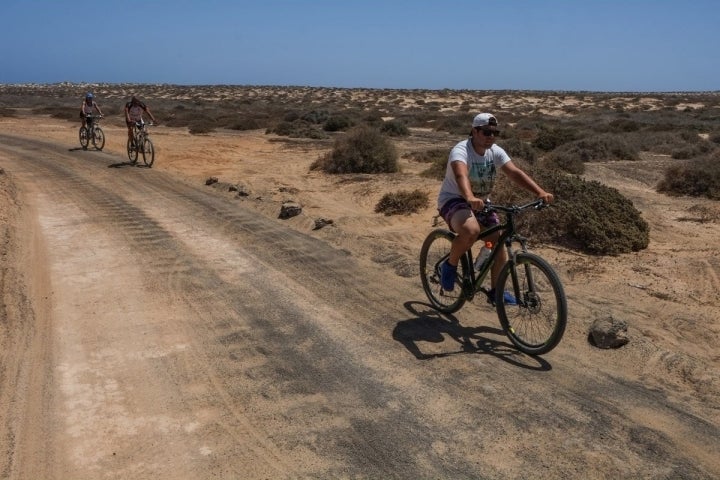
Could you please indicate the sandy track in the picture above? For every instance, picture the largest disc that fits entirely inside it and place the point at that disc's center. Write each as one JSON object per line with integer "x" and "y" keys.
{"x": 176, "y": 334}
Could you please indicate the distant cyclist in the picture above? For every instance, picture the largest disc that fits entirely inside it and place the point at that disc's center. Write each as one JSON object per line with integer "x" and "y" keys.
{"x": 134, "y": 113}
{"x": 87, "y": 107}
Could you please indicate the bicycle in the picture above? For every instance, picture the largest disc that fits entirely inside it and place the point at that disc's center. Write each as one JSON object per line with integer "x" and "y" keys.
{"x": 92, "y": 132}
{"x": 536, "y": 324}
{"x": 141, "y": 143}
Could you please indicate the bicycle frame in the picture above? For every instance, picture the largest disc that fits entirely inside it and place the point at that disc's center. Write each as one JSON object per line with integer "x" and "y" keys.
{"x": 508, "y": 235}
{"x": 139, "y": 132}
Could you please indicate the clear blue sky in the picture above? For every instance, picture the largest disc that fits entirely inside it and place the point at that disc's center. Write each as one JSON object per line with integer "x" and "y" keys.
{"x": 612, "y": 45}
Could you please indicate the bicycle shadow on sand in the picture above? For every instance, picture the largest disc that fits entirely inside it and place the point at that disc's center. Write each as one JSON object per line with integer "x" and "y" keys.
{"x": 430, "y": 326}
{"x": 127, "y": 164}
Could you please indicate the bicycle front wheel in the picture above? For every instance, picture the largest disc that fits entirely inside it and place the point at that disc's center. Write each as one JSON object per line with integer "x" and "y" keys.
{"x": 98, "y": 138}
{"x": 148, "y": 152}
{"x": 537, "y": 322}
{"x": 435, "y": 250}
{"x": 84, "y": 137}
{"x": 132, "y": 151}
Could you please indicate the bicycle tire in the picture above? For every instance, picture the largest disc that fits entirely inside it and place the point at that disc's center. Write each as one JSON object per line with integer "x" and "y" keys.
{"x": 148, "y": 152}
{"x": 537, "y": 323}
{"x": 434, "y": 251}
{"x": 98, "y": 138}
{"x": 84, "y": 137}
{"x": 132, "y": 151}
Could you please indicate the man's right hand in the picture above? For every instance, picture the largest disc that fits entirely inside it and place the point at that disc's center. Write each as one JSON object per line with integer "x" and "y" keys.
{"x": 476, "y": 203}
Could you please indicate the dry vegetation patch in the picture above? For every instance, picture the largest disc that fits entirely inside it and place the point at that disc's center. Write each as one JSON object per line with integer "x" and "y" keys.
{"x": 555, "y": 134}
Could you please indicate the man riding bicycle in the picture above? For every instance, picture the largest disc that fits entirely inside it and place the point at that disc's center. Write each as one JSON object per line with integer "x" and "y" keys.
{"x": 134, "y": 113}
{"x": 87, "y": 107}
{"x": 470, "y": 173}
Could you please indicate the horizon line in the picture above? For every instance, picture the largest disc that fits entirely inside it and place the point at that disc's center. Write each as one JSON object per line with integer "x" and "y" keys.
{"x": 493, "y": 90}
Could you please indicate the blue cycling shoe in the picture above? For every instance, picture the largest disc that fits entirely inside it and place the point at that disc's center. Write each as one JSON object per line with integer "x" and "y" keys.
{"x": 448, "y": 273}
{"x": 508, "y": 298}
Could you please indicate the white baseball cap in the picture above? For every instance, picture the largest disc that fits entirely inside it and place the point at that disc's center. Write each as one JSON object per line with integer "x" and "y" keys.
{"x": 483, "y": 119}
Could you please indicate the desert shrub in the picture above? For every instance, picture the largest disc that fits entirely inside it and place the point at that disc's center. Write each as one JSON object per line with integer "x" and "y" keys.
{"x": 60, "y": 112}
{"x": 566, "y": 162}
{"x": 402, "y": 202}
{"x": 291, "y": 116}
{"x": 395, "y": 128}
{"x": 517, "y": 148}
{"x": 337, "y": 123}
{"x": 623, "y": 125}
{"x": 455, "y": 124}
{"x": 362, "y": 149}
{"x": 549, "y": 138}
{"x": 692, "y": 150}
{"x": 316, "y": 116}
{"x": 697, "y": 178}
{"x": 245, "y": 124}
{"x": 600, "y": 147}
{"x": 586, "y": 215}
{"x": 438, "y": 159}
{"x": 7, "y": 112}
{"x": 715, "y": 137}
{"x": 297, "y": 129}
{"x": 201, "y": 125}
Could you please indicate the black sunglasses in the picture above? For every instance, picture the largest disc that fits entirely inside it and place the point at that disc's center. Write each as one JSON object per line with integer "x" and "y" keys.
{"x": 488, "y": 132}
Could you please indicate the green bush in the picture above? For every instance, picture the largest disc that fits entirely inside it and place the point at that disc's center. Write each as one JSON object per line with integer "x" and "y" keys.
{"x": 586, "y": 216}
{"x": 362, "y": 149}
{"x": 517, "y": 148}
{"x": 623, "y": 125}
{"x": 245, "y": 124}
{"x": 402, "y": 202}
{"x": 438, "y": 159}
{"x": 599, "y": 148}
{"x": 692, "y": 150}
{"x": 297, "y": 129}
{"x": 337, "y": 123}
{"x": 566, "y": 162}
{"x": 395, "y": 128}
{"x": 549, "y": 138}
{"x": 697, "y": 178}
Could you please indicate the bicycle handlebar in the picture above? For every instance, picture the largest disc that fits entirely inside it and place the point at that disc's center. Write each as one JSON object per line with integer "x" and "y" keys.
{"x": 537, "y": 204}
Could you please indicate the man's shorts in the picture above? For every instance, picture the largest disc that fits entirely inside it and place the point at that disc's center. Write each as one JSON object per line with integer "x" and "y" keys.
{"x": 454, "y": 205}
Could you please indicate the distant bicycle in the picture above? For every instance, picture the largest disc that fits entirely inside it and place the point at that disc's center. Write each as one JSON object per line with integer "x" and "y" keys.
{"x": 92, "y": 132}
{"x": 141, "y": 143}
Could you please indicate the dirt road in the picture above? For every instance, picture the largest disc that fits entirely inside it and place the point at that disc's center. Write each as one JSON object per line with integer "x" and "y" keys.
{"x": 155, "y": 329}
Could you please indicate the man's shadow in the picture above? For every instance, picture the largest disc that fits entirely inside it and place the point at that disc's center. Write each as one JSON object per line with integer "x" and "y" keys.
{"x": 429, "y": 325}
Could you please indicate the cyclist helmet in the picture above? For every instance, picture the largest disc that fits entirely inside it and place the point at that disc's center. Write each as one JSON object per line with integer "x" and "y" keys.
{"x": 89, "y": 95}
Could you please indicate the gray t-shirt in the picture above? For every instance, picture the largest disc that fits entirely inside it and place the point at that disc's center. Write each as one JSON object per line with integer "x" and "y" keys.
{"x": 482, "y": 170}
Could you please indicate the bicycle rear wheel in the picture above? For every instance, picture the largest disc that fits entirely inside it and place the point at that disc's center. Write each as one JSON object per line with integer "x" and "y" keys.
{"x": 148, "y": 152}
{"x": 132, "y": 151}
{"x": 537, "y": 323}
{"x": 98, "y": 138}
{"x": 84, "y": 137}
{"x": 434, "y": 251}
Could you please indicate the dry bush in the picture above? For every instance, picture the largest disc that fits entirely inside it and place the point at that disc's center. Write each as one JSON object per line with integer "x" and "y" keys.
{"x": 697, "y": 178}
{"x": 395, "y": 128}
{"x": 549, "y": 137}
{"x": 402, "y": 202}
{"x": 298, "y": 129}
{"x": 338, "y": 123}
{"x": 437, "y": 158}
{"x": 362, "y": 149}
{"x": 517, "y": 148}
{"x": 572, "y": 156}
{"x": 586, "y": 216}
